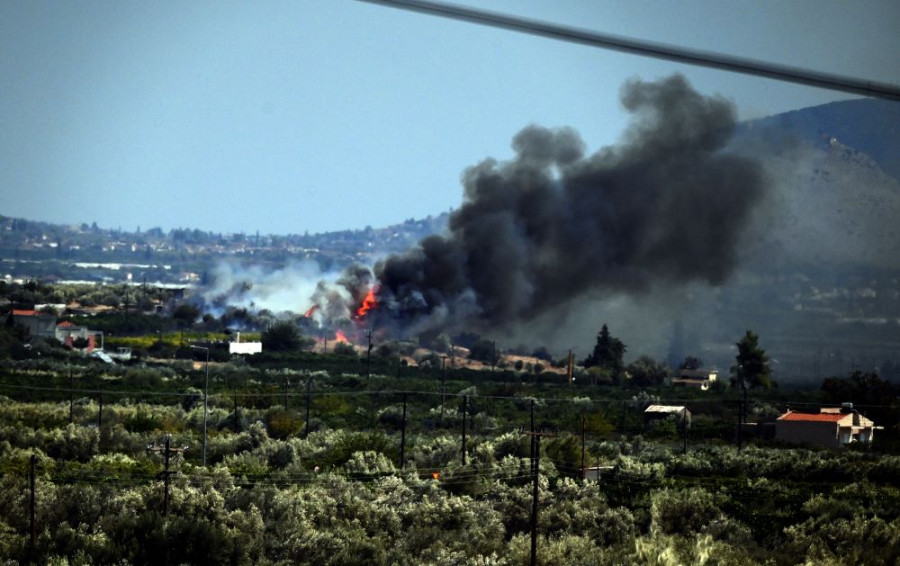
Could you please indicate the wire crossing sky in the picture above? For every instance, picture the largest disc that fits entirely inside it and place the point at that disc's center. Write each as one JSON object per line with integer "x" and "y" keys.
{"x": 292, "y": 117}
{"x": 648, "y": 49}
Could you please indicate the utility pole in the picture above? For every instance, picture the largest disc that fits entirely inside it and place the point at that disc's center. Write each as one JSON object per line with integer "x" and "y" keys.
{"x": 535, "y": 473}
{"x": 443, "y": 387}
{"x": 71, "y": 397}
{"x": 167, "y": 452}
{"x": 403, "y": 435}
{"x": 465, "y": 402}
{"x": 308, "y": 386}
{"x": 368, "y": 352}
{"x": 582, "y": 447}
{"x": 684, "y": 428}
{"x": 536, "y": 440}
{"x": 532, "y": 436}
{"x": 493, "y": 355}
{"x": 237, "y": 417}
{"x": 32, "y": 529}
{"x": 205, "y": 399}
{"x": 744, "y": 405}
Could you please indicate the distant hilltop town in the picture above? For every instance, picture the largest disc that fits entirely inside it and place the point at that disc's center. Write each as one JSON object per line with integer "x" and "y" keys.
{"x": 88, "y": 253}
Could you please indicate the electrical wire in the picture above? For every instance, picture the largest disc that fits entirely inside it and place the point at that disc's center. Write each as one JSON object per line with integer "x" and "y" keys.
{"x": 712, "y": 60}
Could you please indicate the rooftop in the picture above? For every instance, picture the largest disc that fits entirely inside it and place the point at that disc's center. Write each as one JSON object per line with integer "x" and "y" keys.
{"x": 664, "y": 409}
{"x": 813, "y": 417}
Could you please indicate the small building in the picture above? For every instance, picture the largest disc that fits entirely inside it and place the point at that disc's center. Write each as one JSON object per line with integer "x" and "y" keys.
{"x": 658, "y": 412}
{"x": 831, "y": 428}
{"x": 596, "y": 472}
{"x": 34, "y": 323}
{"x": 246, "y": 348}
{"x": 122, "y": 354}
{"x": 700, "y": 378}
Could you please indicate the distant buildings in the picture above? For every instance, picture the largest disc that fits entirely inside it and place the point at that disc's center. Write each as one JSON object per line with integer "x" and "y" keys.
{"x": 38, "y": 324}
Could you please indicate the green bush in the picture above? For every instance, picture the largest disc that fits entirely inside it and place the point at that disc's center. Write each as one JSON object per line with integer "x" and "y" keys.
{"x": 682, "y": 512}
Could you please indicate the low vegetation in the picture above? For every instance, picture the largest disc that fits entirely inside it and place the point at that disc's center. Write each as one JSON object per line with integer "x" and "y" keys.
{"x": 411, "y": 458}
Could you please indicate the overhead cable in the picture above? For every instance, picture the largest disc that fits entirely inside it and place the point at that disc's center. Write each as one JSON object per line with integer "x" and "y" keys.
{"x": 650, "y": 49}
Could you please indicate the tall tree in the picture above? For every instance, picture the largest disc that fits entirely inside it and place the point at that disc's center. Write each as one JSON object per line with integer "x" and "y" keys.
{"x": 647, "y": 372}
{"x": 186, "y": 314}
{"x": 281, "y": 337}
{"x": 860, "y": 387}
{"x": 607, "y": 354}
{"x": 752, "y": 368}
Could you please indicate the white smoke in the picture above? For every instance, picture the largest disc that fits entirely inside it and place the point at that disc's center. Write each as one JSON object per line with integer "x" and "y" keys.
{"x": 259, "y": 287}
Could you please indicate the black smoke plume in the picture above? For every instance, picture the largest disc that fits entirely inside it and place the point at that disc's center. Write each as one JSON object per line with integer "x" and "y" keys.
{"x": 666, "y": 206}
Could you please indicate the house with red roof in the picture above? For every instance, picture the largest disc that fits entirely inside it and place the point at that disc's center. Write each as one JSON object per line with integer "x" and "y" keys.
{"x": 35, "y": 323}
{"x": 830, "y": 427}
{"x": 38, "y": 324}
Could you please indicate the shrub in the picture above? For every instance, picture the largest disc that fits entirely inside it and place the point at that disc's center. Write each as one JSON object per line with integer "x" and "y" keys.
{"x": 283, "y": 423}
{"x": 682, "y": 512}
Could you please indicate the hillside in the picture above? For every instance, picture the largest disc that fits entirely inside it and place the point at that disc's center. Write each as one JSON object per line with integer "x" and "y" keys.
{"x": 819, "y": 272}
{"x": 868, "y": 125}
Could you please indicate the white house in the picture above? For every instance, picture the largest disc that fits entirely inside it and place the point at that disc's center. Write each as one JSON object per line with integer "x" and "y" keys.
{"x": 245, "y": 348}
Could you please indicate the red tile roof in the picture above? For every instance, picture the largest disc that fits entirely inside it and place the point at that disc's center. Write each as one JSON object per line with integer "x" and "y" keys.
{"x": 24, "y": 312}
{"x": 813, "y": 417}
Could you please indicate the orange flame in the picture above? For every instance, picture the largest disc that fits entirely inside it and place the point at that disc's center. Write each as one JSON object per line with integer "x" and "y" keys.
{"x": 340, "y": 337}
{"x": 368, "y": 303}
{"x": 311, "y": 310}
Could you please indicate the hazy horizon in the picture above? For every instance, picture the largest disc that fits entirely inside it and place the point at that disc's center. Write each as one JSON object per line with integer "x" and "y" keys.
{"x": 293, "y": 117}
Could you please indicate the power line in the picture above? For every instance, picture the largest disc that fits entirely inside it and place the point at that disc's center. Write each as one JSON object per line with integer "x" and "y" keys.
{"x": 577, "y": 401}
{"x": 650, "y": 49}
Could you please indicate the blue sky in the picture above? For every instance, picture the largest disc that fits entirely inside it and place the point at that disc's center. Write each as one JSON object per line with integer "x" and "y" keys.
{"x": 287, "y": 117}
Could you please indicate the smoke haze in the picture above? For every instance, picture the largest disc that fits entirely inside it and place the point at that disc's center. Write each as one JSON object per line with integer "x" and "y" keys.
{"x": 552, "y": 226}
